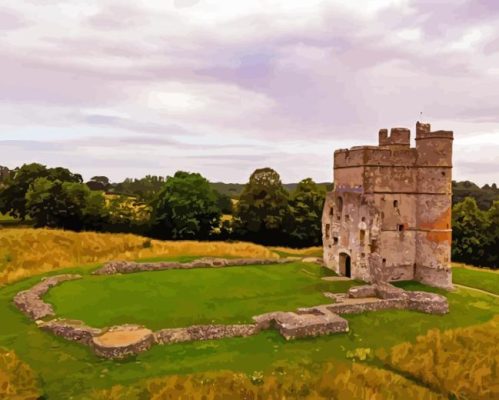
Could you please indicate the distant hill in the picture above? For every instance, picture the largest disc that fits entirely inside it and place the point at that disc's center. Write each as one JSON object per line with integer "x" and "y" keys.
{"x": 234, "y": 190}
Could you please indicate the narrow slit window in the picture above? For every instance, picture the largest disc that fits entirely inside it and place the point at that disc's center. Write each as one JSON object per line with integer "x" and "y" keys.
{"x": 362, "y": 236}
{"x": 400, "y": 227}
{"x": 395, "y": 203}
{"x": 328, "y": 227}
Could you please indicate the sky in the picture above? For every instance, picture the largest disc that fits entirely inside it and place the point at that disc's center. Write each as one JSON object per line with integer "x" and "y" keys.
{"x": 128, "y": 88}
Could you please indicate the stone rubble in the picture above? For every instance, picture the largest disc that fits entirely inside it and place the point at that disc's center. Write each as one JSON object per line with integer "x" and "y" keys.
{"x": 127, "y": 267}
{"x": 73, "y": 330}
{"x": 293, "y": 325}
{"x": 203, "y": 332}
{"x": 30, "y": 301}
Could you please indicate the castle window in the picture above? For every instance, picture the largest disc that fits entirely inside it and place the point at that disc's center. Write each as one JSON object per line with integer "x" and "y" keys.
{"x": 395, "y": 203}
{"x": 331, "y": 211}
{"x": 328, "y": 227}
{"x": 335, "y": 240}
{"x": 363, "y": 219}
{"x": 443, "y": 173}
{"x": 362, "y": 236}
{"x": 384, "y": 261}
{"x": 374, "y": 246}
{"x": 400, "y": 227}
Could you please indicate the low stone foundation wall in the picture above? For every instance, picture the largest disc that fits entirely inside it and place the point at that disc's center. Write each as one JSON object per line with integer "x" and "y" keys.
{"x": 203, "y": 332}
{"x": 73, "y": 330}
{"x": 128, "y": 267}
{"x": 119, "y": 342}
{"x": 30, "y": 302}
{"x": 294, "y": 325}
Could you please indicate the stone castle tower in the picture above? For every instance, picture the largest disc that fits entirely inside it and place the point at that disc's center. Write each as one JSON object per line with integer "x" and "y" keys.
{"x": 395, "y": 201}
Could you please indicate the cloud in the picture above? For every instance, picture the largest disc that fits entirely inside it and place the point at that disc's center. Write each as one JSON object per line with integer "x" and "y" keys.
{"x": 285, "y": 82}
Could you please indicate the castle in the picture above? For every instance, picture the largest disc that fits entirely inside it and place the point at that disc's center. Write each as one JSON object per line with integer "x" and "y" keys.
{"x": 395, "y": 201}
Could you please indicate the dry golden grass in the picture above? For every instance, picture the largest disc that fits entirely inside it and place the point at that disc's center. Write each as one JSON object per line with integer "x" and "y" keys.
{"x": 17, "y": 379}
{"x": 315, "y": 251}
{"x": 27, "y": 252}
{"x": 462, "y": 363}
{"x": 359, "y": 382}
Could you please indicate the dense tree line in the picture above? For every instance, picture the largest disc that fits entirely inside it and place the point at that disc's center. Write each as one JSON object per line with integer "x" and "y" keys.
{"x": 183, "y": 206}
{"x": 187, "y": 206}
{"x": 475, "y": 233}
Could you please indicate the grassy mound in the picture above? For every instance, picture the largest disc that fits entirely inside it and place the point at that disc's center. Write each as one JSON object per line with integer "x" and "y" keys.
{"x": 28, "y": 252}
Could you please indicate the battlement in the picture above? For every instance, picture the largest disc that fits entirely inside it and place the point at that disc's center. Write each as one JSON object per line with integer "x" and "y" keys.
{"x": 398, "y": 137}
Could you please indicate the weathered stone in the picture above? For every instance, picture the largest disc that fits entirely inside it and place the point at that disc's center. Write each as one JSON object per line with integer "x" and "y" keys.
{"x": 362, "y": 291}
{"x": 123, "y": 341}
{"x": 73, "y": 330}
{"x": 30, "y": 302}
{"x": 292, "y": 325}
{"x": 387, "y": 291}
{"x": 126, "y": 267}
{"x": 392, "y": 201}
{"x": 368, "y": 304}
{"x": 203, "y": 332}
{"x": 430, "y": 303}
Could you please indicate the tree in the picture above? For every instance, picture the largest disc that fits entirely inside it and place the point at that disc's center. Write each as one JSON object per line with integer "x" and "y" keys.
{"x": 304, "y": 223}
{"x": 98, "y": 183}
{"x": 262, "y": 208}
{"x": 145, "y": 189}
{"x": 492, "y": 245}
{"x": 13, "y": 196}
{"x": 224, "y": 203}
{"x": 469, "y": 228}
{"x": 186, "y": 208}
{"x": 68, "y": 205}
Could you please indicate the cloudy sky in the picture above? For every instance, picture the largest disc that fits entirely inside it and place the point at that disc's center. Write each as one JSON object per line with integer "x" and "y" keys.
{"x": 128, "y": 88}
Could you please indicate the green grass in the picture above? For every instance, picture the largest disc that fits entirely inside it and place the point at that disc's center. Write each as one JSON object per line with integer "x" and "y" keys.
{"x": 178, "y": 298}
{"x": 69, "y": 369}
{"x": 484, "y": 280}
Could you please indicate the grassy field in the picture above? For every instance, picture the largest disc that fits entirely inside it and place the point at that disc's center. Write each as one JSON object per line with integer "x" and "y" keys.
{"x": 180, "y": 298}
{"x": 79, "y": 372}
{"x": 26, "y": 252}
{"x": 382, "y": 344}
{"x": 479, "y": 278}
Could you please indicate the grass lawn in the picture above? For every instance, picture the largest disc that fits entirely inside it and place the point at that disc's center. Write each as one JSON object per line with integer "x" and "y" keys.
{"x": 69, "y": 370}
{"x": 178, "y": 298}
{"x": 481, "y": 279}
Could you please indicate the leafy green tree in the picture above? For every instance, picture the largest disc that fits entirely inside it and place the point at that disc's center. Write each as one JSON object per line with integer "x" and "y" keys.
{"x": 98, "y": 183}
{"x": 68, "y": 205}
{"x": 224, "y": 203}
{"x": 13, "y": 196}
{"x": 186, "y": 208}
{"x": 145, "y": 189}
{"x": 469, "y": 229}
{"x": 304, "y": 223}
{"x": 262, "y": 208}
{"x": 492, "y": 246}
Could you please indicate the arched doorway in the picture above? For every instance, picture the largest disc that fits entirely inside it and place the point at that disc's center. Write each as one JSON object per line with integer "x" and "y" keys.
{"x": 345, "y": 265}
